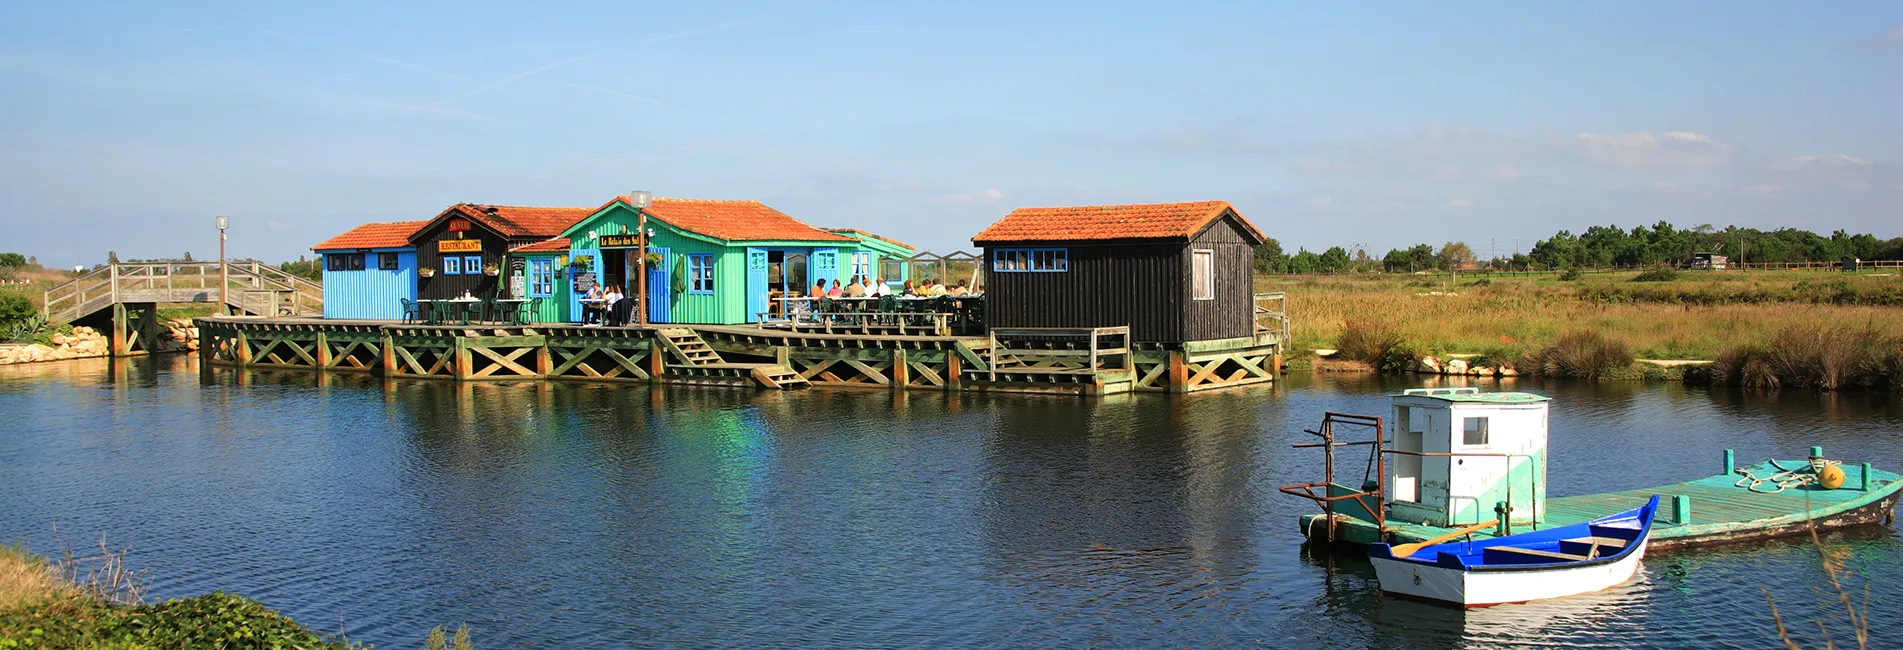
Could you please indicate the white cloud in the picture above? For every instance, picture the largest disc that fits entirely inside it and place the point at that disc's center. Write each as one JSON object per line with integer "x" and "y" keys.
{"x": 1646, "y": 149}
{"x": 1821, "y": 161}
{"x": 1460, "y": 203}
{"x": 986, "y": 197}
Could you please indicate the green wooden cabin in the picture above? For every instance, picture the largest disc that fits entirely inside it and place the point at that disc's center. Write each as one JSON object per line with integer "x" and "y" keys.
{"x": 714, "y": 262}
{"x": 540, "y": 271}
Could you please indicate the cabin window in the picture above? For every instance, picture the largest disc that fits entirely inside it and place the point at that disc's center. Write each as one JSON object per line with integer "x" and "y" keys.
{"x": 891, "y": 270}
{"x": 826, "y": 262}
{"x": 1474, "y": 431}
{"x": 756, "y": 260}
{"x": 541, "y": 278}
{"x": 862, "y": 265}
{"x": 344, "y": 262}
{"x": 1203, "y": 272}
{"x": 452, "y": 265}
{"x": 1028, "y": 260}
{"x": 472, "y": 264}
{"x": 387, "y": 261}
{"x": 700, "y": 273}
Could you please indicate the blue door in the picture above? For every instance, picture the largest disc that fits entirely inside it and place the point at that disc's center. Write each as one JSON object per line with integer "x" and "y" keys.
{"x": 825, "y": 266}
{"x": 756, "y": 284}
{"x": 660, "y": 288}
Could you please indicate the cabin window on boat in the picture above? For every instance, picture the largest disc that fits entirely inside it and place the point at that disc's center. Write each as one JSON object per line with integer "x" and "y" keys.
{"x": 1474, "y": 431}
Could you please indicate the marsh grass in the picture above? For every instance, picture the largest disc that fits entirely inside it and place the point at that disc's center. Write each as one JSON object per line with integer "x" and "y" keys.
{"x": 1695, "y": 317}
{"x": 1856, "y": 616}
{"x": 1580, "y": 354}
{"x": 1819, "y": 356}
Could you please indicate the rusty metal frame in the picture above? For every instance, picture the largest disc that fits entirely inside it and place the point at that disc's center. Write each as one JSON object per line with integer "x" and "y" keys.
{"x": 1328, "y": 445}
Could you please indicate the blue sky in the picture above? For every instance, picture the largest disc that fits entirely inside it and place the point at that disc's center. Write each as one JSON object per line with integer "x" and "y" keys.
{"x": 127, "y": 127}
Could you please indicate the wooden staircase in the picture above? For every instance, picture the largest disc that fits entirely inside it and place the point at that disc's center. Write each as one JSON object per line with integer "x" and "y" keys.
{"x": 690, "y": 351}
{"x": 252, "y": 288}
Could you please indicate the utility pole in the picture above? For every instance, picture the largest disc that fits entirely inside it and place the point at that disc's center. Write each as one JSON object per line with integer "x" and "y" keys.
{"x": 224, "y": 277}
{"x": 641, "y": 199}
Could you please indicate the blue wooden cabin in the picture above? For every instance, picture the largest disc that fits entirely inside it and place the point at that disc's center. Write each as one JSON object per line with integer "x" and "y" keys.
{"x": 368, "y": 270}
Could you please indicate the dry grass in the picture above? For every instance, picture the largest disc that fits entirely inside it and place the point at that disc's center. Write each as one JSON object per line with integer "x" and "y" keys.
{"x": 1510, "y": 317}
{"x": 1819, "y": 356}
{"x": 27, "y": 580}
{"x": 1582, "y": 354}
{"x": 1837, "y": 574}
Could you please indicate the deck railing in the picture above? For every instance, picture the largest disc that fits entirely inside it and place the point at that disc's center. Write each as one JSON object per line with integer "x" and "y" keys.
{"x": 254, "y": 287}
{"x": 1271, "y": 314}
{"x": 927, "y": 323}
{"x": 1058, "y": 350}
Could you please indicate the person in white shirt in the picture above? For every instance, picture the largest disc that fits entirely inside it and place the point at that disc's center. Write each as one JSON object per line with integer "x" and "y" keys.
{"x": 879, "y": 289}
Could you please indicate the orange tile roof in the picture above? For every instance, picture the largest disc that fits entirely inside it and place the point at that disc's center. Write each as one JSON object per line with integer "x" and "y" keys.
{"x": 849, "y": 231}
{"x": 733, "y": 220}
{"x": 515, "y": 221}
{"x": 1167, "y": 221}
{"x": 395, "y": 234}
{"x": 556, "y": 245}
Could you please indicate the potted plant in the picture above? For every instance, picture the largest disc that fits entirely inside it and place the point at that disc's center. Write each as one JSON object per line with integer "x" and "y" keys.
{"x": 491, "y": 269}
{"x": 426, "y": 272}
{"x": 582, "y": 261}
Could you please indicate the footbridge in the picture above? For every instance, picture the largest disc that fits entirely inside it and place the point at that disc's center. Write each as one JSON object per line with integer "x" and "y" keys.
{"x": 129, "y": 294}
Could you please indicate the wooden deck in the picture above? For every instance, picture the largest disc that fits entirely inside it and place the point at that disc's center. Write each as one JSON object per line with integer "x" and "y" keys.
{"x": 1705, "y": 511}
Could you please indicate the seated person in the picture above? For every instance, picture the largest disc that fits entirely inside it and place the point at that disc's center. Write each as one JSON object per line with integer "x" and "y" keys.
{"x": 856, "y": 288}
{"x": 819, "y": 289}
{"x": 592, "y": 305}
{"x": 957, "y": 289}
{"x": 910, "y": 289}
{"x": 835, "y": 292}
{"x": 880, "y": 289}
{"x": 933, "y": 289}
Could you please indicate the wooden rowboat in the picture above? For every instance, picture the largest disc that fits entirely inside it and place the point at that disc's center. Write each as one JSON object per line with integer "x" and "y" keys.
{"x": 1575, "y": 559}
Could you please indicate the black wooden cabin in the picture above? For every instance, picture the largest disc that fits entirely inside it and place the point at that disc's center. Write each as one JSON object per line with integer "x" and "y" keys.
{"x": 467, "y": 238}
{"x": 1172, "y": 272}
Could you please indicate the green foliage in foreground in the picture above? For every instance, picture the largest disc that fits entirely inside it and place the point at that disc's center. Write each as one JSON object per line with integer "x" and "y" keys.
{"x": 214, "y": 620}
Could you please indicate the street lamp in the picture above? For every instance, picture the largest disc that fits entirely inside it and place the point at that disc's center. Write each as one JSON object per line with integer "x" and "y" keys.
{"x": 224, "y": 278}
{"x": 640, "y": 200}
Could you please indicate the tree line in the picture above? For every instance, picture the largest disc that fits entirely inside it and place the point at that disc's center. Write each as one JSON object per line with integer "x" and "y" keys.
{"x": 1661, "y": 244}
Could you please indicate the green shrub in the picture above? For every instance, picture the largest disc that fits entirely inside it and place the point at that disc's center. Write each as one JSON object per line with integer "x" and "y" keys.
{"x": 214, "y": 620}
{"x": 1583, "y": 354}
{"x": 1571, "y": 274}
{"x": 1657, "y": 275}
{"x": 15, "y": 309}
{"x": 1367, "y": 340}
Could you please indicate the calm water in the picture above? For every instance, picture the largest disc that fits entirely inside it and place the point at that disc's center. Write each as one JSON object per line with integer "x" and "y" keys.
{"x": 614, "y": 516}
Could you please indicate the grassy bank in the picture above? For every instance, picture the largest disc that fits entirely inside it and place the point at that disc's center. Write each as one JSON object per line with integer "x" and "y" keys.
{"x": 96, "y": 603}
{"x": 1817, "y": 330}
{"x": 1513, "y": 316}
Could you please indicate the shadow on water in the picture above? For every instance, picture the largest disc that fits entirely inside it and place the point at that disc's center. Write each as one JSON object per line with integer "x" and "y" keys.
{"x": 609, "y": 515}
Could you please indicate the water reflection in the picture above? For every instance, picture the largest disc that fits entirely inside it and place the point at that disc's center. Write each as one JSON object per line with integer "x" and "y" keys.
{"x": 613, "y": 515}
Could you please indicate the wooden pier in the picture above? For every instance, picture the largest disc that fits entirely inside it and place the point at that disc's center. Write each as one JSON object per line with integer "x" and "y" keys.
{"x": 1094, "y": 361}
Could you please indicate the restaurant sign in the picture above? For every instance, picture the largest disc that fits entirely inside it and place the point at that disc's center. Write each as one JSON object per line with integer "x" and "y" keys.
{"x": 619, "y": 241}
{"x": 458, "y": 225}
{"x": 459, "y": 246}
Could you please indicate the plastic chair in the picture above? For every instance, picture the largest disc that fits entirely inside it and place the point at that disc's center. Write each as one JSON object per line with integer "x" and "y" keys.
{"x": 411, "y": 311}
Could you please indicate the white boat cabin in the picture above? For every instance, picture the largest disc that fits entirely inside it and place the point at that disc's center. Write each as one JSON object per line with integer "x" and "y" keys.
{"x": 1458, "y": 453}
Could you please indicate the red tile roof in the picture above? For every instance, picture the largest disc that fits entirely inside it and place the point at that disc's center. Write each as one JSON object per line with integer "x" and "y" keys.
{"x": 394, "y": 234}
{"x": 850, "y": 231}
{"x": 518, "y": 221}
{"x": 1167, "y": 221}
{"x": 556, "y": 245}
{"x": 734, "y": 220}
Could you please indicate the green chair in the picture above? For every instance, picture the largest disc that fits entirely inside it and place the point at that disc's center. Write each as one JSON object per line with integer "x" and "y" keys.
{"x": 411, "y": 311}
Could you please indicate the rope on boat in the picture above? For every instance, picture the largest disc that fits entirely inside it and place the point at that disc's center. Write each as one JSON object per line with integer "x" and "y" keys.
{"x": 1786, "y": 477}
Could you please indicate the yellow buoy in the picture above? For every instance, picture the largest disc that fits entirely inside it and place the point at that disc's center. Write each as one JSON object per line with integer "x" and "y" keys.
{"x": 1831, "y": 477}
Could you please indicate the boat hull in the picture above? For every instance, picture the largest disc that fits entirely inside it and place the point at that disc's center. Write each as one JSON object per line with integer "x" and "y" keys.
{"x": 1460, "y": 588}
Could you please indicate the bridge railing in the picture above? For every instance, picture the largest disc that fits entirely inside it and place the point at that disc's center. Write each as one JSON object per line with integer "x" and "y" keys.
{"x": 251, "y": 286}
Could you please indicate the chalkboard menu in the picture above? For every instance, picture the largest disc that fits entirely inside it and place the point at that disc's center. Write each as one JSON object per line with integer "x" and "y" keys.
{"x": 584, "y": 282}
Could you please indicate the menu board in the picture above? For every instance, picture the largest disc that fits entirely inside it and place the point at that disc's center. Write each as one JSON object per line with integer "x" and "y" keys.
{"x": 584, "y": 282}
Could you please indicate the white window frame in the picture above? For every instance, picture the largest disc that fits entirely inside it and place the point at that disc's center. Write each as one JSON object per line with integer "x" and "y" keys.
{"x": 1202, "y": 271}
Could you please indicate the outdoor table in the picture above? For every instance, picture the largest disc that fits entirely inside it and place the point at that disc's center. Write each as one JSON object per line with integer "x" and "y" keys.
{"x": 594, "y": 305}
{"x": 512, "y": 307}
{"x": 456, "y": 309}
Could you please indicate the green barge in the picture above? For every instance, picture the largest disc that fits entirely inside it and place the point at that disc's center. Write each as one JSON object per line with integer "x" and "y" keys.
{"x": 1448, "y": 459}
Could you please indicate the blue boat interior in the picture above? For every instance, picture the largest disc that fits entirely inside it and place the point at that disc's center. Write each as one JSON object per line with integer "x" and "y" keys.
{"x": 1604, "y": 539}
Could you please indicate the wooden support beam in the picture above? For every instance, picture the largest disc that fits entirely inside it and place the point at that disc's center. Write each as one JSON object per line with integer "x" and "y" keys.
{"x": 1179, "y": 372}
{"x": 656, "y": 364}
{"x": 901, "y": 370}
{"x": 461, "y": 356}
{"x": 241, "y": 349}
{"x": 389, "y": 354}
{"x": 120, "y": 347}
{"x": 323, "y": 359}
{"x": 953, "y": 381}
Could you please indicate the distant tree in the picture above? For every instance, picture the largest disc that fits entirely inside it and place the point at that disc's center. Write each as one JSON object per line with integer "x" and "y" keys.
{"x": 1334, "y": 260}
{"x": 312, "y": 270}
{"x": 1421, "y": 258}
{"x": 1455, "y": 255}
{"x": 32, "y": 260}
{"x": 1305, "y": 262}
{"x": 1269, "y": 257}
{"x": 12, "y": 260}
{"x": 188, "y": 256}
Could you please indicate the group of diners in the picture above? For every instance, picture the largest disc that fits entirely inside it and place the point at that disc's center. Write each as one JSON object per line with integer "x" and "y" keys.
{"x": 861, "y": 287}
{"x": 606, "y": 305}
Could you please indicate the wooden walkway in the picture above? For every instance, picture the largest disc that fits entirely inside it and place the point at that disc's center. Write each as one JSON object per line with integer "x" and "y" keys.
{"x": 1708, "y": 510}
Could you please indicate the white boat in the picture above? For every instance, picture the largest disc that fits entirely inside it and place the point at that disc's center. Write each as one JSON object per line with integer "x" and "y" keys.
{"x": 1564, "y": 561}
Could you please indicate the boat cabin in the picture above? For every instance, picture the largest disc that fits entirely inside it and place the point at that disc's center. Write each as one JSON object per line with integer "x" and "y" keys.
{"x": 1457, "y": 453}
